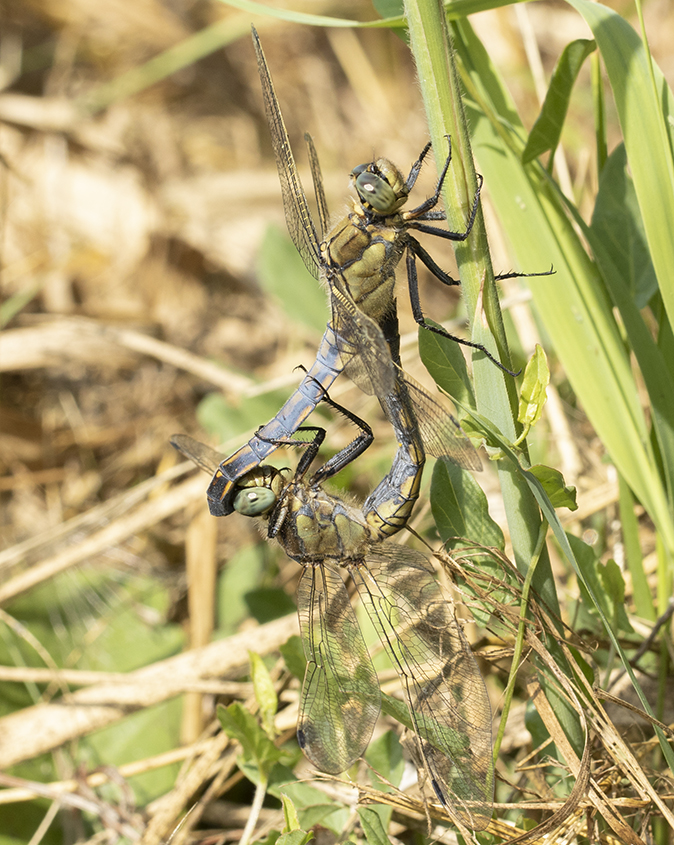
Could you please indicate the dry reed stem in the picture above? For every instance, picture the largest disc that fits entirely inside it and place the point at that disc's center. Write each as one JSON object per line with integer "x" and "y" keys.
{"x": 36, "y": 730}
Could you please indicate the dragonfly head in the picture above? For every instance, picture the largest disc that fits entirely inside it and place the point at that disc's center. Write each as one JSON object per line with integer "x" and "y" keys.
{"x": 380, "y": 185}
{"x": 258, "y": 491}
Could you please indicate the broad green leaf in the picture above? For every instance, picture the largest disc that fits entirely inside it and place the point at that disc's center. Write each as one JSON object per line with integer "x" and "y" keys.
{"x": 265, "y": 694}
{"x": 290, "y": 816}
{"x": 241, "y": 575}
{"x": 460, "y": 508}
{"x": 552, "y": 480}
{"x": 534, "y": 384}
{"x": 444, "y": 360}
{"x": 618, "y": 265}
{"x": 268, "y": 603}
{"x": 256, "y": 746}
{"x": 147, "y": 732}
{"x": 312, "y": 807}
{"x": 271, "y": 839}
{"x": 292, "y": 651}
{"x": 385, "y": 755}
{"x": 607, "y": 584}
{"x": 295, "y": 837}
{"x": 374, "y": 831}
{"x": 547, "y": 130}
{"x": 282, "y": 273}
{"x": 617, "y": 225}
{"x": 614, "y": 586}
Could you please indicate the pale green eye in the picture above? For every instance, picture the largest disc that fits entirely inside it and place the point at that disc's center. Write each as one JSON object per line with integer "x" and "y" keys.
{"x": 253, "y": 501}
{"x": 375, "y": 191}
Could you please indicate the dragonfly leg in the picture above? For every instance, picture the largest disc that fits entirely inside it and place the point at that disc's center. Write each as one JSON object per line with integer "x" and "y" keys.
{"x": 338, "y": 461}
{"x": 413, "y": 221}
{"x": 415, "y": 170}
{"x": 515, "y": 275}
{"x": 413, "y": 284}
{"x": 419, "y": 252}
{"x": 432, "y": 201}
{"x": 312, "y": 446}
{"x": 350, "y": 452}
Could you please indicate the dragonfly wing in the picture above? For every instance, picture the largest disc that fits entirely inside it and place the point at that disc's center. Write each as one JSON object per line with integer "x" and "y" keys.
{"x": 298, "y": 217}
{"x": 365, "y": 355}
{"x": 448, "y": 703}
{"x": 319, "y": 190}
{"x": 201, "y": 454}
{"x": 340, "y": 695}
{"x": 440, "y": 432}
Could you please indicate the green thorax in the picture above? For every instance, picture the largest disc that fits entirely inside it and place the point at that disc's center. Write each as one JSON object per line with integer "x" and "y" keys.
{"x": 366, "y": 245}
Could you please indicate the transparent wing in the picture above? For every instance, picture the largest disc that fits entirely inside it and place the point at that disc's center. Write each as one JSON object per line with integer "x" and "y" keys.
{"x": 440, "y": 432}
{"x": 319, "y": 190}
{"x": 298, "y": 217}
{"x": 201, "y": 454}
{"x": 367, "y": 361}
{"x": 444, "y": 690}
{"x": 340, "y": 695}
{"x": 365, "y": 355}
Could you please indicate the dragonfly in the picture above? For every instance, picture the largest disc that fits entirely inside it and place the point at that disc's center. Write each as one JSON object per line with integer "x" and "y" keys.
{"x": 356, "y": 260}
{"x": 447, "y": 703}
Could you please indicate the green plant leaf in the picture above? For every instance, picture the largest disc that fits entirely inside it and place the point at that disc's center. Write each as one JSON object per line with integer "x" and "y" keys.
{"x": 224, "y": 420}
{"x": 552, "y": 480}
{"x": 282, "y": 273}
{"x": 256, "y": 746}
{"x": 444, "y": 360}
{"x": 385, "y": 755}
{"x": 460, "y": 508}
{"x": 534, "y": 384}
{"x": 372, "y": 825}
{"x": 241, "y": 575}
{"x": 617, "y": 225}
{"x": 290, "y": 817}
{"x": 547, "y": 130}
{"x": 292, "y": 651}
{"x": 265, "y": 694}
{"x": 268, "y": 603}
{"x": 295, "y": 837}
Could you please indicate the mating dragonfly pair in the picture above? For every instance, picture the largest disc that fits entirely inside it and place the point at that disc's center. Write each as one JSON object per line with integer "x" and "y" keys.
{"x": 340, "y": 702}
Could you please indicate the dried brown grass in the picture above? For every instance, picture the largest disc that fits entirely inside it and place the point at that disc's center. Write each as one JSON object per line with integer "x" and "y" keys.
{"x": 132, "y": 238}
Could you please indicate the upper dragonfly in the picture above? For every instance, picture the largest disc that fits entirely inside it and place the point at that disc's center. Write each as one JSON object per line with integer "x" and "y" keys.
{"x": 356, "y": 259}
{"x": 447, "y": 703}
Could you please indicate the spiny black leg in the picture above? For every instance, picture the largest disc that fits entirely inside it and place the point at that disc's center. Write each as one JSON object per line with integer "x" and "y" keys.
{"x": 349, "y": 453}
{"x": 421, "y": 320}
{"x": 311, "y": 446}
{"x": 443, "y": 233}
{"x": 415, "y": 170}
{"x": 413, "y": 246}
{"x": 515, "y": 275}
{"x": 431, "y": 202}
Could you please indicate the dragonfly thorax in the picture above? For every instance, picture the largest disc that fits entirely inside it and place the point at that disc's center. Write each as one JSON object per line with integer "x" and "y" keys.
{"x": 380, "y": 186}
{"x": 319, "y": 526}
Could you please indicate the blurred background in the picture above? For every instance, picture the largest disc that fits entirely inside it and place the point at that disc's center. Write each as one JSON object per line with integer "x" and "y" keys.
{"x": 148, "y": 287}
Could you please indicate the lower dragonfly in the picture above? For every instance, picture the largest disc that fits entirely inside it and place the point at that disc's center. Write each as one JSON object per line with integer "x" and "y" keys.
{"x": 356, "y": 259}
{"x": 448, "y": 706}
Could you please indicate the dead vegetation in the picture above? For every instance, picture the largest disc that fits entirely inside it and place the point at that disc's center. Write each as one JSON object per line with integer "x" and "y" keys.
{"x": 130, "y": 295}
